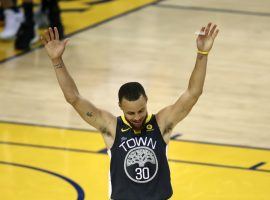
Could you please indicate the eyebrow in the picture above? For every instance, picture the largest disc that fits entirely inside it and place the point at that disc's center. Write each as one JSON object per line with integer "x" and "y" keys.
{"x": 134, "y": 112}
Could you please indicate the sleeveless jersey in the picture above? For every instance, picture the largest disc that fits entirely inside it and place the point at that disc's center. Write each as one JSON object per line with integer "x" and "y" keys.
{"x": 139, "y": 167}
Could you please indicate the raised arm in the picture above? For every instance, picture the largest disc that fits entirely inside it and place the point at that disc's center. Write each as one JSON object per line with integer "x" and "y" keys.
{"x": 169, "y": 116}
{"x": 100, "y": 119}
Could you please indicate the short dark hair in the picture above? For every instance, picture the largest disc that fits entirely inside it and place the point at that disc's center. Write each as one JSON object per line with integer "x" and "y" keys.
{"x": 131, "y": 91}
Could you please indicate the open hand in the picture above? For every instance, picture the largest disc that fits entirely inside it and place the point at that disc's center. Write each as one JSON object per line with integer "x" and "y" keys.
{"x": 54, "y": 47}
{"x": 206, "y": 38}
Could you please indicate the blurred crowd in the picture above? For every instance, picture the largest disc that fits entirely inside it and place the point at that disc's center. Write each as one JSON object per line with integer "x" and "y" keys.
{"x": 21, "y": 23}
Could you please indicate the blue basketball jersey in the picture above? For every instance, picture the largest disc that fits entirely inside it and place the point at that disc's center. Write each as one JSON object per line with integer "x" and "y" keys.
{"x": 139, "y": 167}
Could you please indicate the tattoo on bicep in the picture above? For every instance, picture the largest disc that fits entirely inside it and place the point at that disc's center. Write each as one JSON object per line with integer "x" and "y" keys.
{"x": 89, "y": 114}
{"x": 105, "y": 131}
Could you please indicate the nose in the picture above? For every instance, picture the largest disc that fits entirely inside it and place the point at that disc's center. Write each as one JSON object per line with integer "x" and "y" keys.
{"x": 137, "y": 117}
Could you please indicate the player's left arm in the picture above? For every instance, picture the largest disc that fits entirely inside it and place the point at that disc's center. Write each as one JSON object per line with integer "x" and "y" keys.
{"x": 168, "y": 117}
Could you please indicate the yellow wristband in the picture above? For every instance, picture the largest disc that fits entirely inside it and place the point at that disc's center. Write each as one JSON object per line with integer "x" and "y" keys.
{"x": 203, "y": 52}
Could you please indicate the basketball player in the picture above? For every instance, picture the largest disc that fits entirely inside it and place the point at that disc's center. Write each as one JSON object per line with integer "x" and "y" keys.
{"x": 136, "y": 141}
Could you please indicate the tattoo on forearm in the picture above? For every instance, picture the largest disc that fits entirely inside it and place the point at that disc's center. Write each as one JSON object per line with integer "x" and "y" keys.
{"x": 89, "y": 114}
{"x": 59, "y": 65}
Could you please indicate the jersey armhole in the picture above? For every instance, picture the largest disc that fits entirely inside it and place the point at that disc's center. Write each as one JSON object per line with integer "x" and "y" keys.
{"x": 116, "y": 133}
{"x": 160, "y": 134}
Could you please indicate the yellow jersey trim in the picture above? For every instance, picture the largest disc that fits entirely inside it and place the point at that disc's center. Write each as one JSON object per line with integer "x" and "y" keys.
{"x": 125, "y": 121}
{"x": 148, "y": 118}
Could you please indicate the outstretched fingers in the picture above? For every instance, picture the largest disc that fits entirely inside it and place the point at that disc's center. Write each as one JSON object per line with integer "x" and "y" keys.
{"x": 213, "y": 30}
{"x": 47, "y": 36}
{"x": 202, "y": 31}
{"x": 215, "y": 34}
{"x": 208, "y": 28}
{"x": 51, "y": 33}
{"x": 66, "y": 41}
{"x": 56, "y": 34}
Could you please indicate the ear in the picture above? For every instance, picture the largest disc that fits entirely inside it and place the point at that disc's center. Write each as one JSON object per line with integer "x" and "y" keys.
{"x": 119, "y": 104}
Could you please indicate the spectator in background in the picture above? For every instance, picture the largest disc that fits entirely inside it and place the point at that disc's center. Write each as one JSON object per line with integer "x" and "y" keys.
{"x": 1, "y": 15}
{"x": 27, "y": 31}
{"x": 23, "y": 28}
{"x": 12, "y": 17}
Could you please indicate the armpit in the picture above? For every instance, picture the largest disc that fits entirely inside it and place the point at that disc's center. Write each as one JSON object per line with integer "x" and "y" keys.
{"x": 168, "y": 128}
{"x": 105, "y": 131}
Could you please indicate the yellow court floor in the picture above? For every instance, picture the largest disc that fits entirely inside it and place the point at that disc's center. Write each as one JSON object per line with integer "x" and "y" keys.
{"x": 39, "y": 162}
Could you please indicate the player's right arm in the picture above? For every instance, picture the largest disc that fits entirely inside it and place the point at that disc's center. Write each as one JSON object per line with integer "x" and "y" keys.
{"x": 102, "y": 120}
